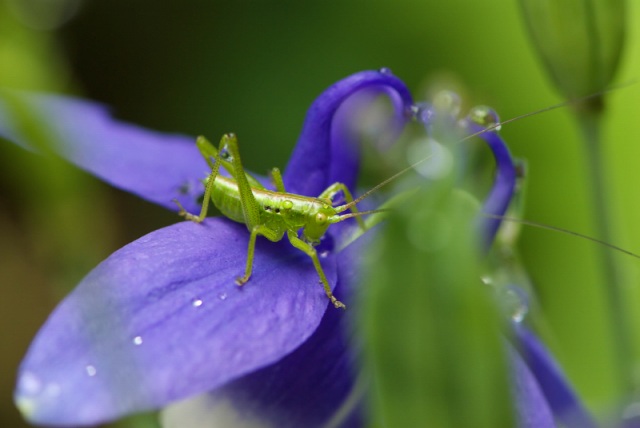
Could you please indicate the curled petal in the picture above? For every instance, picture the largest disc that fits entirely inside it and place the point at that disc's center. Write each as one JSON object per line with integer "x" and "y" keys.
{"x": 162, "y": 319}
{"x": 504, "y": 182}
{"x": 532, "y": 409}
{"x": 564, "y": 402}
{"x": 325, "y": 153}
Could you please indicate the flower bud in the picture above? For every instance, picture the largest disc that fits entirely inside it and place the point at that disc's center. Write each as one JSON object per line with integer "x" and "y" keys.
{"x": 579, "y": 41}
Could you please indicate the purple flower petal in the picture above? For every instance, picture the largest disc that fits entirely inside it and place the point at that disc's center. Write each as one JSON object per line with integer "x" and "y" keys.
{"x": 564, "y": 402}
{"x": 162, "y": 319}
{"x": 155, "y": 166}
{"x": 504, "y": 183}
{"x": 324, "y": 153}
{"x": 306, "y": 388}
{"x": 532, "y": 409}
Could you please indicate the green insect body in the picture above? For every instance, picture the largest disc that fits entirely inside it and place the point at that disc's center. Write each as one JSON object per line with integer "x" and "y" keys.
{"x": 273, "y": 214}
{"x": 280, "y": 211}
{"x": 268, "y": 213}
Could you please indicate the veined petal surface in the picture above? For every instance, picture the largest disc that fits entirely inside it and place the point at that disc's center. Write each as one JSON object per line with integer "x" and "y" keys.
{"x": 156, "y": 166}
{"x": 162, "y": 319}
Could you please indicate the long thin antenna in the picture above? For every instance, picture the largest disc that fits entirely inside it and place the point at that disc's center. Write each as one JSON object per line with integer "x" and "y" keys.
{"x": 359, "y": 213}
{"x": 561, "y": 230}
{"x": 495, "y": 126}
{"x": 366, "y": 194}
{"x": 551, "y": 107}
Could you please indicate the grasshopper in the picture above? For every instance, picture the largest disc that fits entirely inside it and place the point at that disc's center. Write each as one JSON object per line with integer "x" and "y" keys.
{"x": 268, "y": 213}
{"x": 273, "y": 214}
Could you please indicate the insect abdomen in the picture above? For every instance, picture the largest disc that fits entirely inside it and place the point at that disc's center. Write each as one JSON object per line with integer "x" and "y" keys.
{"x": 226, "y": 197}
{"x": 279, "y": 210}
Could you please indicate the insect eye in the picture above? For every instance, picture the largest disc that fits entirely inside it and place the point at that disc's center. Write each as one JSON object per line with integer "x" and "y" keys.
{"x": 321, "y": 218}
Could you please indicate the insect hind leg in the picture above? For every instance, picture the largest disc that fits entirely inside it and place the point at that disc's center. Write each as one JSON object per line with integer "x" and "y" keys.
{"x": 207, "y": 150}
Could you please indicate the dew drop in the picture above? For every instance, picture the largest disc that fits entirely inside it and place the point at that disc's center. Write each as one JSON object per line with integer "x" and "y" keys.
{"x": 197, "y": 303}
{"x": 225, "y": 154}
{"x": 515, "y": 302}
{"x": 423, "y": 113}
{"x": 137, "y": 340}
{"x": 91, "y": 370}
{"x": 484, "y": 116}
{"x": 222, "y": 296}
{"x": 324, "y": 254}
{"x": 385, "y": 70}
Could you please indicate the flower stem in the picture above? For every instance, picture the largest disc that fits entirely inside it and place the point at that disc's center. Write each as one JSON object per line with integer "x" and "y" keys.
{"x": 590, "y": 123}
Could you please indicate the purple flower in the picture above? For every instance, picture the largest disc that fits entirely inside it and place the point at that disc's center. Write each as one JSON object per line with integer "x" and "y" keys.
{"x": 161, "y": 319}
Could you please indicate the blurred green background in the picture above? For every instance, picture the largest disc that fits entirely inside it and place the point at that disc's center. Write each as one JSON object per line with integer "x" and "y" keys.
{"x": 208, "y": 67}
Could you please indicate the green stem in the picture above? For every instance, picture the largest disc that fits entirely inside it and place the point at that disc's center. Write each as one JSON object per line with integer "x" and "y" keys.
{"x": 590, "y": 123}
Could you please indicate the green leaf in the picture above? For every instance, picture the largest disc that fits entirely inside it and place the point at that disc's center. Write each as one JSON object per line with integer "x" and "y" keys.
{"x": 433, "y": 347}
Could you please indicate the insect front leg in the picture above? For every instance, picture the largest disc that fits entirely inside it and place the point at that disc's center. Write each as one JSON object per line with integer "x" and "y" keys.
{"x": 311, "y": 252}
{"x": 270, "y": 234}
{"x": 332, "y": 190}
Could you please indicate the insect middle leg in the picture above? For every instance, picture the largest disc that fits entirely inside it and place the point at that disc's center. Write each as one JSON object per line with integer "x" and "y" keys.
{"x": 311, "y": 252}
{"x": 270, "y": 234}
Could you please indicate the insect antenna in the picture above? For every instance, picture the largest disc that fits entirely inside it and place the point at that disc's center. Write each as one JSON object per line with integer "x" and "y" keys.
{"x": 359, "y": 213}
{"x": 493, "y": 127}
{"x": 575, "y": 101}
{"x": 366, "y": 194}
{"x": 562, "y": 230}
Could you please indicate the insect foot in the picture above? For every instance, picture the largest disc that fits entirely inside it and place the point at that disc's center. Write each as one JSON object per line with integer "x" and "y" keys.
{"x": 337, "y": 303}
{"x": 185, "y": 214}
{"x": 241, "y": 280}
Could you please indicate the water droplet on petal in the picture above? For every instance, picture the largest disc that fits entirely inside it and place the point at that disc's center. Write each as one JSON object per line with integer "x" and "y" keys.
{"x": 485, "y": 116}
{"x": 515, "y": 302}
{"x": 423, "y": 113}
{"x": 137, "y": 340}
{"x": 197, "y": 303}
{"x": 385, "y": 70}
{"x": 324, "y": 254}
{"x": 222, "y": 296}
{"x": 91, "y": 370}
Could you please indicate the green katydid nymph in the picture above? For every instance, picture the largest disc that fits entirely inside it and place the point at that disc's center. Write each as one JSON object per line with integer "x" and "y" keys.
{"x": 273, "y": 214}
{"x": 268, "y": 213}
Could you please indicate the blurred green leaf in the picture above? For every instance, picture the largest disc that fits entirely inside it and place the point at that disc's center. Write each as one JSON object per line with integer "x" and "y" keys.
{"x": 432, "y": 332}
